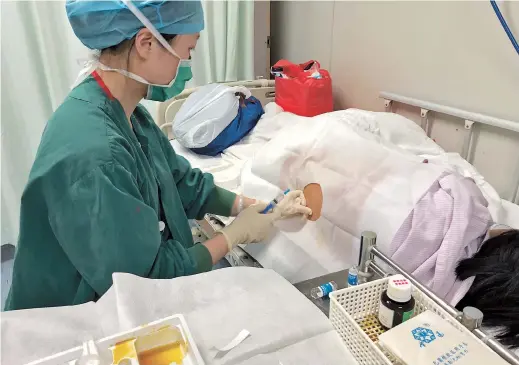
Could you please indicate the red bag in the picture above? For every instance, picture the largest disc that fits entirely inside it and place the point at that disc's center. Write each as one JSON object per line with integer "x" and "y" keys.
{"x": 298, "y": 92}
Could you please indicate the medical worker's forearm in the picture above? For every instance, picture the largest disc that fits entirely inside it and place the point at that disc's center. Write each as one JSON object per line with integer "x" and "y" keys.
{"x": 239, "y": 206}
{"x": 217, "y": 247}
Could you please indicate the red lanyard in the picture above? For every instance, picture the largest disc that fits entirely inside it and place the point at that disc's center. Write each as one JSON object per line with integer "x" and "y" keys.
{"x": 102, "y": 84}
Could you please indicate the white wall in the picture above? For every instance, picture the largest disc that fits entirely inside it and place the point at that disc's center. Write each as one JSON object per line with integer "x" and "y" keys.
{"x": 453, "y": 53}
{"x": 261, "y": 34}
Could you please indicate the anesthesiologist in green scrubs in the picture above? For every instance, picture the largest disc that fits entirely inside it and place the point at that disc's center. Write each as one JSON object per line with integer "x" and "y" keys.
{"x": 107, "y": 193}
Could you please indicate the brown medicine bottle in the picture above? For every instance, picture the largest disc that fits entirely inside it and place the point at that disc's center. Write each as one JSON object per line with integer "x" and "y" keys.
{"x": 396, "y": 302}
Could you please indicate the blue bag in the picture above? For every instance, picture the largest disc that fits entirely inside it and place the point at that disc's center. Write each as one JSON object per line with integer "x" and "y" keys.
{"x": 249, "y": 112}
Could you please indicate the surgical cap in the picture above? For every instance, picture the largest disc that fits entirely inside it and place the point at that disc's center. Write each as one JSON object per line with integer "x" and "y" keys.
{"x": 102, "y": 24}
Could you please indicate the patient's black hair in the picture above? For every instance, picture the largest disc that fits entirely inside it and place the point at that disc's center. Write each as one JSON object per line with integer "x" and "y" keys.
{"x": 495, "y": 290}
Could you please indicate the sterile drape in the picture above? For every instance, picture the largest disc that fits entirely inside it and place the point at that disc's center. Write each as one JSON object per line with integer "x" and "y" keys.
{"x": 41, "y": 57}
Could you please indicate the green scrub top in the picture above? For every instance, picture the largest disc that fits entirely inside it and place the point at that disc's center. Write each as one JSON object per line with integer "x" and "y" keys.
{"x": 92, "y": 205}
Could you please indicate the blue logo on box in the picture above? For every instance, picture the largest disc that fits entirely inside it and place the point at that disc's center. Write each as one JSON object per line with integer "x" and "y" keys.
{"x": 425, "y": 335}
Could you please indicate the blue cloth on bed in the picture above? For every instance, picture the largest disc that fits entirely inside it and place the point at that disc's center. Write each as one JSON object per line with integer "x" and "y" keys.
{"x": 248, "y": 115}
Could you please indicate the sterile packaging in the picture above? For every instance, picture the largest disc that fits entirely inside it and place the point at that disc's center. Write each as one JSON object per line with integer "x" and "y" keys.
{"x": 429, "y": 339}
{"x": 158, "y": 341}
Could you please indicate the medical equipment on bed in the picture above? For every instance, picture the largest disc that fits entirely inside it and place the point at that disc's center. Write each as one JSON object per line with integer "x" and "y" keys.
{"x": 275, "y": 202}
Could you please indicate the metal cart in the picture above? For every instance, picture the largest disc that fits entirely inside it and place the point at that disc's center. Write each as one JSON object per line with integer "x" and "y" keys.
{"x": 369, "y": 267}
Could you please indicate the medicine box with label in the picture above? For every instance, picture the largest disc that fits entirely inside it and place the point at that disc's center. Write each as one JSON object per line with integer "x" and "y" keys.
{"x": 431, "y": 340}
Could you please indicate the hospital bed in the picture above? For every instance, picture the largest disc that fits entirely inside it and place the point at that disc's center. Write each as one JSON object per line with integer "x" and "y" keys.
{"x": 264, "y": 91}
{"x": 227, "y": 167}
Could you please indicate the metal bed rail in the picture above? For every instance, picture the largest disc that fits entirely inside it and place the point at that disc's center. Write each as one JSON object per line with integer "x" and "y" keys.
{"x": 470, "y": 119}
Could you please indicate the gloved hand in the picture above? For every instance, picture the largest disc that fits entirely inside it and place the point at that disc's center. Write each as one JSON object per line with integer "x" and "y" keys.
{"x": 293, "y": 203}
{"x": 249, "y": 226}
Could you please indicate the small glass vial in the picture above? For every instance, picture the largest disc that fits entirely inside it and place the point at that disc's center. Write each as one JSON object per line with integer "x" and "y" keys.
{"x": 353, "y": 276}
{"x": 323, "y": 290}
{"x": 396, "y": 303}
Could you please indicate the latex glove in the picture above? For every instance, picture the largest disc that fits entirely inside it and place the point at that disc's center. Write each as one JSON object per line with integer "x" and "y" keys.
{"x": 249, "y": 226}
{"x": 294, "y": 203}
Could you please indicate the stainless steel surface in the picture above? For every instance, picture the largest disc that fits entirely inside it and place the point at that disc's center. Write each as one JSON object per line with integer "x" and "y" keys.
{"x": 367, "y": 242}
{"x": 340, "y": 277}
{"x": 377, "y": 270}
{"x": 471, "y": 318}
{"x": 452, "y": 311}
{"x": 238, "y": 257}
{"x": 497, "y": 347}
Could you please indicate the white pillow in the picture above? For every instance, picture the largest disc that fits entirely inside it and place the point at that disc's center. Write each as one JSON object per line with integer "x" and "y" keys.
{"x": 206, "y": 113}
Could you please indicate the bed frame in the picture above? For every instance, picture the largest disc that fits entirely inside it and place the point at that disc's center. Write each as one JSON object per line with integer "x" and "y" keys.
{"x": 471, "y": 122}
{"x": 370, "y": 255}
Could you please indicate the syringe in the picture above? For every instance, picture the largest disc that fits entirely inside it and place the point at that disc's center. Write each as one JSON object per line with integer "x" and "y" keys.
{"x": 275, "y": 202}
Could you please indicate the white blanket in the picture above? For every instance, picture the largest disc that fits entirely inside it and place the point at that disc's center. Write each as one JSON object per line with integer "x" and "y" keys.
{"x": 369, "y": 165}
{"x": 371, "y": 168}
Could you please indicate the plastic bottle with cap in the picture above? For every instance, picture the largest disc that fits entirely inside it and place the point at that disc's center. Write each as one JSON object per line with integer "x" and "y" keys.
{"x": 353, "y": 276}
{"x": 396, "y": 302}
{"x": 322, "y": 291}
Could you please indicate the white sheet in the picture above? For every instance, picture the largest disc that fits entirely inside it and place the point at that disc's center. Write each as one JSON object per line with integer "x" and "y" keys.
{"x": 285, "y": 327}
{"x": 372, "y": 176}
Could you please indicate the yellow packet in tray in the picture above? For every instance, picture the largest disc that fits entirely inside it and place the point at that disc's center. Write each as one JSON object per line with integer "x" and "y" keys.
{"x": 161, "y": 347}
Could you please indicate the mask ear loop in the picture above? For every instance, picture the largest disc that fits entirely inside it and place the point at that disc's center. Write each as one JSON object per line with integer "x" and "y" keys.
{"x": 139, "y": 15}
{"x": 89, "y": 65}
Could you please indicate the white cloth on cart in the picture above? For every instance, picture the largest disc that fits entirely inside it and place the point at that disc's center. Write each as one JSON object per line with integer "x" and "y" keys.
{"x": 285, "y": 327}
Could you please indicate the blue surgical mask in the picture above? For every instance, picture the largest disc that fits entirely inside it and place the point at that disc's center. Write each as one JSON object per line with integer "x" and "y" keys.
{"x": 163, "y": 93}
{"x": 158, "y": 92}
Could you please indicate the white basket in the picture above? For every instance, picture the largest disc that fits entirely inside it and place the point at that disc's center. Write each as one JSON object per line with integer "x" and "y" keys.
{"x": 357, "y": 306}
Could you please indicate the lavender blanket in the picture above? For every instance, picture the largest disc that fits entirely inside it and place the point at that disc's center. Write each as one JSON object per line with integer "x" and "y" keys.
{"x": 447, "y": 224}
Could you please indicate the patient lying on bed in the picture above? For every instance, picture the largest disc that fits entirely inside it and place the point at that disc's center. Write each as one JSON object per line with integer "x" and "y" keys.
{"x": 427, "y": 216}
